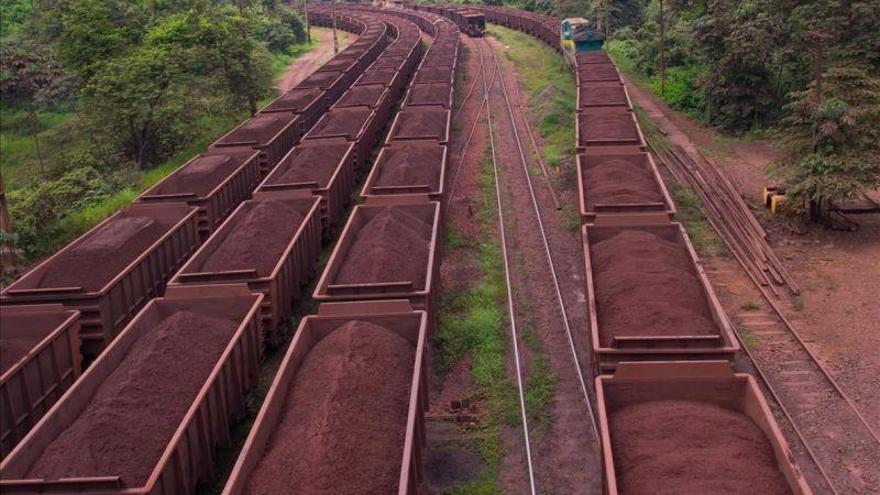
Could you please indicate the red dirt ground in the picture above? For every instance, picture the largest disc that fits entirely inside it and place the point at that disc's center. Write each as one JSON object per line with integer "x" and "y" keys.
{"x": 304, "y": 65}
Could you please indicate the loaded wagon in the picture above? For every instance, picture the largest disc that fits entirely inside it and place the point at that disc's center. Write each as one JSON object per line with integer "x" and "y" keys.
{"x": 113, "y": 270}
{"x": 271, "y": 243}
{"x": 153, "y": 409}
{"x": 388, "y": 250}
{"x": 323, "y": 366}
{"x": 649, "y": 298}
{"x": 216, "y": 182}
{"x": 324, "y": 168}
{"x": 40, "y": 361}
{"x": 691, "y": 427}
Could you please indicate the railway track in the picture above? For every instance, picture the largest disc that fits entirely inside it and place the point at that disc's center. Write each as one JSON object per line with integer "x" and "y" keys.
{"x": 494, "y": 86}
{"x": 603, "y": 78}
{"x": 836, "y": 435}
{"x": 515, "y": 338}
{"x": 351, "y": 102}
{"x": 551, "y": 265}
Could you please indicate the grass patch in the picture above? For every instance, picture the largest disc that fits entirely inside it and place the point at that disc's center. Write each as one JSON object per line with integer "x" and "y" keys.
{"x": 454, "y": 240}
{"x": 622, "y": 53}
{"x": 680, "y": 92}
{"x": 473, "y": 322}
{"x": 750, "y": 306}
{"x": 690, "y": 213}
{"x": 748, "y": 338}
{"x": 18, "y": 154}
{"x": 459, "y": 94}
{"x": 550, "y": 92}
{"x": 281, "y": 60}
{"x": 540, "y": 386}
{"x": 571, "y": 218}
{"x": 75, "y": 223}
{"x": 21, "y": 165}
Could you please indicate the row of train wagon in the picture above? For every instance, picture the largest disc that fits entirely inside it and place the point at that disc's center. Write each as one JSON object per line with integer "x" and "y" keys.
{"x": 673, "y": 414}
{"x": 129, "y": 355}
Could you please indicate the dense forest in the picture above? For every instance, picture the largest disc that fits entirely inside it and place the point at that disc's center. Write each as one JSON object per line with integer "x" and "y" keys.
{"x": 103, "y": 97}
{"x": 804, "y": 73}
{"x": 100, "y": 98}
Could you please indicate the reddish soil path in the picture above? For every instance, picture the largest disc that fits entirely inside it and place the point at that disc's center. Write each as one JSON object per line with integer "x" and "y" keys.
{"x": 450, "y": 458}
{"x": 305, "y": 64}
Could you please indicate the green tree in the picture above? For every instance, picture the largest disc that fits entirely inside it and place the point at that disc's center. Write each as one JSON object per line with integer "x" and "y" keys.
{"x": 94, "y": 31}
{"x": 31, "y": 77}
{"x": 144, "y": 87}
{"x": 141, "y": 102}
{"x": 833, "y": 139}
{"x": 737, "y": 38}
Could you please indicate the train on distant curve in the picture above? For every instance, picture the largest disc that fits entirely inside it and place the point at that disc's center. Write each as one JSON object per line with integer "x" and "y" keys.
{"x": 469, "y": 21}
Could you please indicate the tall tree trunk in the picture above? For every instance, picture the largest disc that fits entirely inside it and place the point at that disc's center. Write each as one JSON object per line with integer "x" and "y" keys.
{"x": 252, "y": 101}
{"x": 35, "y": 129}
{"x": 142, "y": 146}
{"x": 662, "y": 52}
{"x": 7, "y": 246}
{"x": 308, "y": 23}
{"x": 819, "y": 38}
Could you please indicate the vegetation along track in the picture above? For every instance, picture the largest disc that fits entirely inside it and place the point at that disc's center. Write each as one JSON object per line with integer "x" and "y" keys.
{"x": 495, "y": 90}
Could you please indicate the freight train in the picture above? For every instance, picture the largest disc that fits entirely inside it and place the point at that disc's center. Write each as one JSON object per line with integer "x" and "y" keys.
{"x": 469, "y": 21}
{"x": 202, "y": 273}
{"x": 223, "y": 248}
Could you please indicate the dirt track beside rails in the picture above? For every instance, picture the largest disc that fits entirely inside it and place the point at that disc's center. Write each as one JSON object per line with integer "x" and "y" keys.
{"x": 566, "y": 453}
{"x": 304, "y": 65}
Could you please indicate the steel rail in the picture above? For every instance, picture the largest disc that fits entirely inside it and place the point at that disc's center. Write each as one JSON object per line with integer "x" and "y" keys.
{"x": 797, "y": 341}
{"x": 510, "y": 305}
{"x": 470, "y": 136}
{"x": 549, "y": 255}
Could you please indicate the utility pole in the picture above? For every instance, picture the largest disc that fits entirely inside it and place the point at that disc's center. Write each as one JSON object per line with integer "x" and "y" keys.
{"x": 662, "y": 52}
{"x": 308, "y": 24}
{"x": 333, "y": 20}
